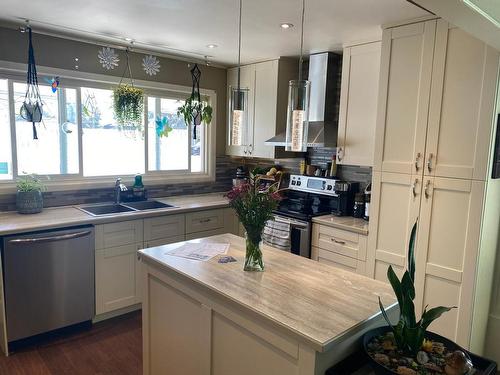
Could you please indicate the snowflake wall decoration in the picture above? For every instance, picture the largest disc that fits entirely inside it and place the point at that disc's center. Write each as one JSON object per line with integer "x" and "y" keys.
{"x": 108, "y": 58}
{"x": 151, "y": 65}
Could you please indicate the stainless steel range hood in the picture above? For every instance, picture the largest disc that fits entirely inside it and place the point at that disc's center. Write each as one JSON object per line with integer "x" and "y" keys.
{"x": 323, "y": 113}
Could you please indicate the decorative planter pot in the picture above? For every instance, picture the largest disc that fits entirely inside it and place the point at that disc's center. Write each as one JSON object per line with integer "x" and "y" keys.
{"x": 29, "y": 202}
{"x": 380, "y": 369}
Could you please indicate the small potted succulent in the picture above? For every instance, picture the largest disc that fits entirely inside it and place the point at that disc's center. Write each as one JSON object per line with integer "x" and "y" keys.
{"x": 407, "y": 348}
{"x": 29, "y": 198}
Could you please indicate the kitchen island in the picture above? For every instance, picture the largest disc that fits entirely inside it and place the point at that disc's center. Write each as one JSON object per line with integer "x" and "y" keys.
{"x": 298, "y": 317}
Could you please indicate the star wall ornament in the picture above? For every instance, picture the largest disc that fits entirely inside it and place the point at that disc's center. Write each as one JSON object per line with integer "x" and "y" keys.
{"x": 151, "y": 65}
{"x": 108, "y": 58}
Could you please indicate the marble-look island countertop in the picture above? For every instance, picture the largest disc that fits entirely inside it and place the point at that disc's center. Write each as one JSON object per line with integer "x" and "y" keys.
{"x": 343, "y": 222}
{"x": 56, "y": 217}
{"x": 315, "y": 302}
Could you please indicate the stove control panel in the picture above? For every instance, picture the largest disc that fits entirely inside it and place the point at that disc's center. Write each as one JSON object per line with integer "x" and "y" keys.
{"x": 318, "y": 185}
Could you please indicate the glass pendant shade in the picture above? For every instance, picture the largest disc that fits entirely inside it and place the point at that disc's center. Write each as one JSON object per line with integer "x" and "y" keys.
{"x": 297, "y": 123}
{"x": 239, "y": 116}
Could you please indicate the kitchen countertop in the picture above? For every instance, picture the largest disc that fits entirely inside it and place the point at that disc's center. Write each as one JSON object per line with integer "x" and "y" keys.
{"x": 321, "y": 304}
{"x": 343, "y": 222}
{"x": 56, "y": 217}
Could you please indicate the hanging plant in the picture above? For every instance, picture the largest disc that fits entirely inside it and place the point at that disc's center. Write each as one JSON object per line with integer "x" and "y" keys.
{"x": 128, "y": 101}
{"x": 31, "y": 109}
{"x": 194, "y": 110}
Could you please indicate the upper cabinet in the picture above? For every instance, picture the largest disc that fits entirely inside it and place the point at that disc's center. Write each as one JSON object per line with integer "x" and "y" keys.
{"x": 436, "y": 102}
{"x": 403, "y": 106}
{"x": 267, "y": 84}
{"x": 358, "y": 104}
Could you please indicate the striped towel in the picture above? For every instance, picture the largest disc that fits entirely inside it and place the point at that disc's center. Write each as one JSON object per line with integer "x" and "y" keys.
{"x": 277, "y": 235}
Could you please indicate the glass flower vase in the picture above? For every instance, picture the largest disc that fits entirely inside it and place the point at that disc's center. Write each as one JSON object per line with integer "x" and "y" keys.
{"x": 253, "y": 254}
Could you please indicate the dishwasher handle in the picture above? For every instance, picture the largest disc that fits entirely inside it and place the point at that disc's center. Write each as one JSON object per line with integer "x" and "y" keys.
{"x": 68, "y": 236}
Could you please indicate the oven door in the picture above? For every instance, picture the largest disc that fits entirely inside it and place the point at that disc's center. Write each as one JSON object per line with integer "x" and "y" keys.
{"x": 300, "y": 235}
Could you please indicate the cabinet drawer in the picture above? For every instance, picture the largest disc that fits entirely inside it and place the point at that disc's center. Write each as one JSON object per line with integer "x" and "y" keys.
{"x": 340, "y": 261}
{"x": 339, "y": 241}
{"x": 207, "y": 233}
{"x": 204, "y": 220}
{"x": 163, "y": 227}
{"x": 118, "y": 234}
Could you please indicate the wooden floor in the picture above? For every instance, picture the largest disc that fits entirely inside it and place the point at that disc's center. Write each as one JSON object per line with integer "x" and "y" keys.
{"x": 112, "y": 347}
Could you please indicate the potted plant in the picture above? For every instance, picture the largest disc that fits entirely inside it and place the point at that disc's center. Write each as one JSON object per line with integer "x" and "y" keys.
{"x": 29, "y": 198}
{"x": 254, "y": 204}
{"x": 128, "y": 105}
{"x": 408, "y": 348}
{"x": 195, "y": 111}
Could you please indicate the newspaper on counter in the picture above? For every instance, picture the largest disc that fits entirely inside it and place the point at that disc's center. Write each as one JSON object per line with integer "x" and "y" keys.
{"x": 199, "y": 251}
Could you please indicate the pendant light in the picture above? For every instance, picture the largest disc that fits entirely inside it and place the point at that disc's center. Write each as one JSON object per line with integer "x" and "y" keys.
{"x": 239, "y": 103}
{"x": 299, "y": 92}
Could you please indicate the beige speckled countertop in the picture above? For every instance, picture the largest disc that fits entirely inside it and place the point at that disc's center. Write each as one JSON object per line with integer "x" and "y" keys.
{"x": 319, "y": 303}
{"x": 56, "y": 217}
{"x": 343, "y": 222}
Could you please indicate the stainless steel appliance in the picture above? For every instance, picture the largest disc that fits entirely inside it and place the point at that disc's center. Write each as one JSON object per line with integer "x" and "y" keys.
{"x": 48, "y": 280}
{"x": 307, "y": 197}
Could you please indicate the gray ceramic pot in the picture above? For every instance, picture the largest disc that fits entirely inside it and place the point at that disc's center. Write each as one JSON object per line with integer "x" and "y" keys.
{"x": 29, "y": 202}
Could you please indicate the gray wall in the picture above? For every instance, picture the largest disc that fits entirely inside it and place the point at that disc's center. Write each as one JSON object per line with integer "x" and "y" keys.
{"x": 60, "y": 53}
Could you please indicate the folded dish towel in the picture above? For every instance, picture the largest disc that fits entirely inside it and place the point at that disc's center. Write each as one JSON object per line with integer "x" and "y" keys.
{"x": 277, "y": 234}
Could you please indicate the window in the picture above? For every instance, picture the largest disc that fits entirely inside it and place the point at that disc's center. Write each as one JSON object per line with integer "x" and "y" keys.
{"x": 56, "y": 150}
{"x": 79, "y": 137}
{"x": 108, "y": 149}
{"x": 5, "y": 149}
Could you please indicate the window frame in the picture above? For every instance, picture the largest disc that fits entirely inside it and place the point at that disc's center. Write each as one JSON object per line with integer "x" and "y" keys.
{"x": 15, "y": 72}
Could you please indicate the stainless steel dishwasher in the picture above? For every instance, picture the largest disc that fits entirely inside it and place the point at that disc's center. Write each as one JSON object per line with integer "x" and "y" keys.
{"x": 49, "y": 280}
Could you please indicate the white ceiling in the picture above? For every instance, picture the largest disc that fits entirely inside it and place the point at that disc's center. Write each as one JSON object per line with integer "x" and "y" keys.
{"x": 185, "y": 27}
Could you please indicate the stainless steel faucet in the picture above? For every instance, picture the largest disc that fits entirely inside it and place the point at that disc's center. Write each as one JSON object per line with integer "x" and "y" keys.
{"x": 119, "y": 187}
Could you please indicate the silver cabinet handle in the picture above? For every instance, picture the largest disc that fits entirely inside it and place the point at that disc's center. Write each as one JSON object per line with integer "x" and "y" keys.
{"x": 61, "y": 237}
{"x": 429, "y": 162}
{"x": 339, "y": 154}
{"x": 417, "y": 161}
{"x": 426, "y": 191}
{"x": 414, "y": 187}
{"x": 338, "y": 241}
{"x": 205, "y": 220}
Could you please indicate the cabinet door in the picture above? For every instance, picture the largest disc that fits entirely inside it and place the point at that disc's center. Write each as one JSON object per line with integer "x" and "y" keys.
{"x": 266, "y": 91}
{"x": 395, "y": 208}
{"x": 247, "y": 81}
{"x": 164, "y": 226}
{"x": 405, "y": 79}
{"x": 462, "y": 105}
{"x": 447, "y": 250}
{"x": 358, "y": 104}
{"x": 115, "y": 274}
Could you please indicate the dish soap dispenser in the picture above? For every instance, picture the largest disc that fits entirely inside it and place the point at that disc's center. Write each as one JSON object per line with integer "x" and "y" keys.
{"x": 138, "y": 188}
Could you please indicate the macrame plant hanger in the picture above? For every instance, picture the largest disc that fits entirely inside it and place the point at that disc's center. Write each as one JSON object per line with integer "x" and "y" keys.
{"x": 127, "y": 68}
{"x": 195, "y": 96}
{"x": 31, "y": 110}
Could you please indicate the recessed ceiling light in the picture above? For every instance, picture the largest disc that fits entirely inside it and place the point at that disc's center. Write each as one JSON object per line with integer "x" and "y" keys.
{"x": 286, "y": 25}
{"x": 211, "y": 46}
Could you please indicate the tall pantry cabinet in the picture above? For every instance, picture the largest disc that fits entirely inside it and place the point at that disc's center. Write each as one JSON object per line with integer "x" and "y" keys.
{"x": 434, "y": 130}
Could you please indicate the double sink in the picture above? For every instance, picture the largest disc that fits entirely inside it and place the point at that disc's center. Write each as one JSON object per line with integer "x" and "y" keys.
{"x": 116, "y": 208}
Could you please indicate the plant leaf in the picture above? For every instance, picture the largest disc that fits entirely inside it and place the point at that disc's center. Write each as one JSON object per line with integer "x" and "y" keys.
{"x": 429, "y": 316}
{"x": 411, "y": 252}
{"x": 396, "y": 285}
{"x": 384, "y": 313}
{"x": 407, "y": 285}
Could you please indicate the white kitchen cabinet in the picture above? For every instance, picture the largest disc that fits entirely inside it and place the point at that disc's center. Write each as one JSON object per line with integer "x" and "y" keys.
{"x": 116, "y": 277}
{"x": 267, "y": 104}
{"x": 462, "y": 104}
{"x": 160, "y": 227}
{"x": 358, "y": 104}
{"x": 394, "y": 209}
{"x": 447, "y": 251}
{"x": 200, "y": 221}
{"x": 403, "y": 100}
{"x": 339, "y": 248}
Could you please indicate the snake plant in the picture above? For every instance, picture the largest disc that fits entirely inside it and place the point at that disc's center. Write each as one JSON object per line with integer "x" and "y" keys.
{"x": 409, "y": 333}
